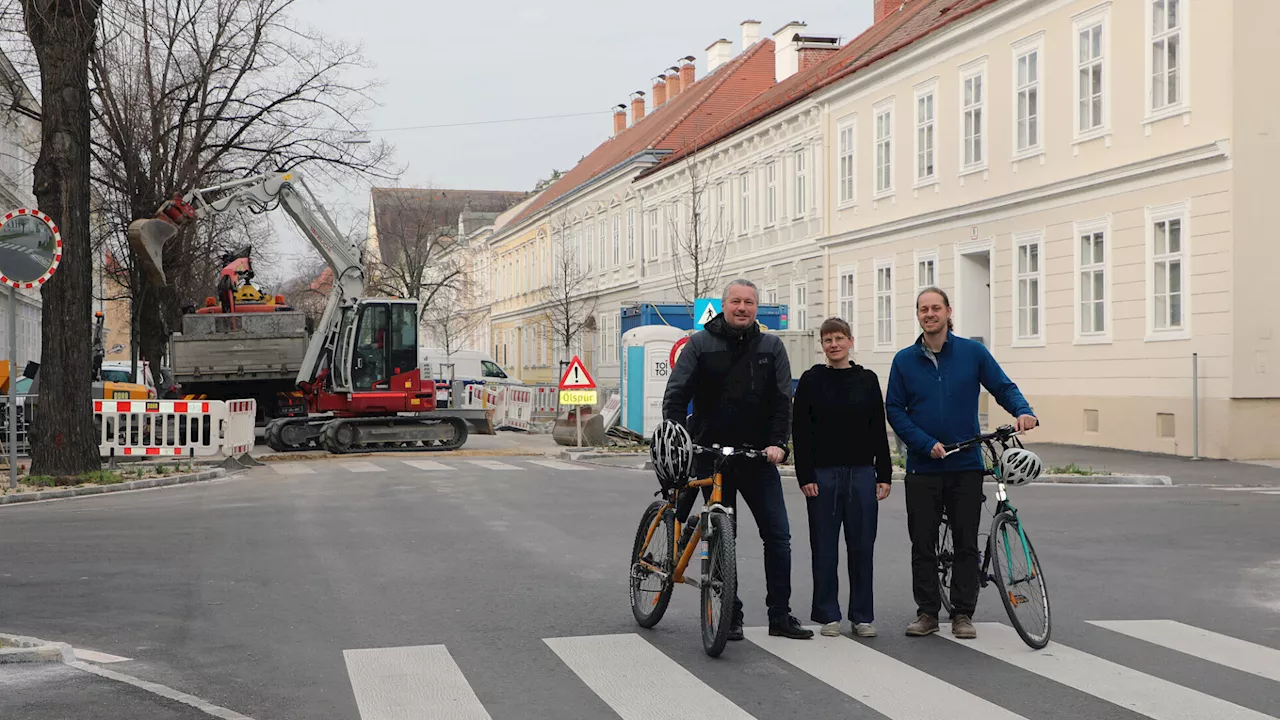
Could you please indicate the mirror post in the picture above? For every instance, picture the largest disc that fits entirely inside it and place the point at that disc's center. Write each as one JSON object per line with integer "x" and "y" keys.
{"x": 13, "y": 388}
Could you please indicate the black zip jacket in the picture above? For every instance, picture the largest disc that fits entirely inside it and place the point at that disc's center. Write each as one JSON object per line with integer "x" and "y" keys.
{"x": 839, "y": 422}
{"x": 740, "y": 384}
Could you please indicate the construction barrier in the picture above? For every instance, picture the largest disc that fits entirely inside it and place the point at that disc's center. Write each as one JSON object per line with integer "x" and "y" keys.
{"x": 238, "y": 437}
{"x": 546, "y": 401}
{"x": 166, "y": 428}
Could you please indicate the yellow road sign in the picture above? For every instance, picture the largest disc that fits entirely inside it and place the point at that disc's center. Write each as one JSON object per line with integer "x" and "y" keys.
{"x": 577, "y": 397}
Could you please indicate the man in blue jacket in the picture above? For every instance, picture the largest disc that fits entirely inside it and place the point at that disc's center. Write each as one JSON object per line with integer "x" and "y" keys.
{"x": 932, "y": 401}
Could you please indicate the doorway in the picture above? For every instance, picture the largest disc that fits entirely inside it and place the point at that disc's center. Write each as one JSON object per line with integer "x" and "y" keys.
{"x": 973, "y": 295}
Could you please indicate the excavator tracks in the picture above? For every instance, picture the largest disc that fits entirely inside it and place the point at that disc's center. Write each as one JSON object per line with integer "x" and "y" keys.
{"x": 393, "y": 434}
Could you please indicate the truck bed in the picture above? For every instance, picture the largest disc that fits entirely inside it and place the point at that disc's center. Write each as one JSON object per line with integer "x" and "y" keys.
{"x": 264, "y": 346}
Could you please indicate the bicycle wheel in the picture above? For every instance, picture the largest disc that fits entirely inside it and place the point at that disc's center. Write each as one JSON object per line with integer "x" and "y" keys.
{"x": 720, "y": 584}
{"x": 1020, "y": 579}
{"x": 651, "y": 593}
{"x": 946, "y": 556}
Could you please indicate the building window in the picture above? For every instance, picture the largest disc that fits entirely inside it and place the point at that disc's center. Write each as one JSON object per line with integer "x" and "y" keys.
{"x": 1167, "y": 272}
{"x": 884, "y": 304}
{"x": 617, "y": 239}
{"x": 974, "y": 119}
{"x": 802, "y": 170}
{"x": 1093, "y": 281}
{"x": 653, "y": 235}
{"x": 926, "y": 270}
{"x": 1090, "y": 69}
{"x": 603, "y": 229}
{"x": 771, "y": 193}
{"x": 884, "y": 150}
{"x": 1166, "y": 53}
{"x": 800, "y": 306}
{"x": 1027, "y": 102}
{"x": 846, "y": 166}
{"x": 1029, "y": 286}
{"x": 849, "y": 296}
{"x": 771, "y": 296}
{"x": 631, "y": 234}
{"x": 588, "y": 242}
{"x": 745, "y": 206}
{"x": 722, "y": 211}
{"x": 924, "y": 136}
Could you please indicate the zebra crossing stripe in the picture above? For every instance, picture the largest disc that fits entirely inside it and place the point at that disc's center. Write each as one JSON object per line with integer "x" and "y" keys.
{"x": 1221, "y": 649}
{"x": 637, "y": 680}
{"x": 878, "y": 681}
{"x": 292, "y": 469}
{"x": 362, "y": 467}
{"x": 1142, "y": 693}
{"x": 426, "y": 465}
{"x": 411, "y": 683}
{"x": 493, "y": 465}
{"x": 555, "y": 465}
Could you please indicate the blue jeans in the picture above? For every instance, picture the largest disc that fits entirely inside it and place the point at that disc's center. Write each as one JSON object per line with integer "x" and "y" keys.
{"x": 846, "y": 495}
{"x": 759, "y": 484}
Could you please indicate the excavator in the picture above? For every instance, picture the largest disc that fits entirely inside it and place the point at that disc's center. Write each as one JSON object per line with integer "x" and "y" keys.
{"x": 361, "y": 378}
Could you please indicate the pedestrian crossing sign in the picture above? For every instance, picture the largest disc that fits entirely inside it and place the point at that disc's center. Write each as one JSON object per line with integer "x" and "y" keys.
{"x": 704, "y": 311}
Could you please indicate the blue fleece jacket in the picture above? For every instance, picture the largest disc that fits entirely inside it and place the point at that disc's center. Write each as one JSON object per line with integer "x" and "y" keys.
{"x": 927, "y": 403}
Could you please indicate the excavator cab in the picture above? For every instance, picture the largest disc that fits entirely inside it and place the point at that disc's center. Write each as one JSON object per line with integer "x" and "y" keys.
{"x": 377, "y": 346}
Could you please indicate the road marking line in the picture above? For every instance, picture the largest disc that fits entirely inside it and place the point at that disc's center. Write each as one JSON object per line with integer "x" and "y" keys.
{"x": 404, "y": 683}
{"x": 100, "y": 658}
{"x": 361, "y": 467}
{"x": 426, "y": 465}
{"x": 1221, "y": 649}
{"x": 1117, "y": 684}
{"x": 555, "y": 465}
{"x": 878, "y": 680}
{"x": 1269, "y": 492}
{"x": 292, "y": 469}
{"x": 625, "y": 670}
{"x": 493, "y": 465}
{"x": 163, "y": 691}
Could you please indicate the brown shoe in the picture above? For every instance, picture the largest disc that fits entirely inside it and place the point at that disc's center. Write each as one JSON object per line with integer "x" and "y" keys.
{"x": 926, "y": 624}
{"x": 962, "y": 627}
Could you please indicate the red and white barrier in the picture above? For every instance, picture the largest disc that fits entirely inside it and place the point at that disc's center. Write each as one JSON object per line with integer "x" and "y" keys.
{"x": 517, "y": 410}
{"x": 238, "y": 435}
{"x": 174, "y": 428}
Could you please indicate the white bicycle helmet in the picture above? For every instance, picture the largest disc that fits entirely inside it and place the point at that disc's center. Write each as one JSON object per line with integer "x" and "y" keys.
{"x": 1019, "y": 466}
{"x": 671, "y": 450}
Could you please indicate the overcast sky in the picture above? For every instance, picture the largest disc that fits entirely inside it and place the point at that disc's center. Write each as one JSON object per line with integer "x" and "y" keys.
{"x": 443, "y": 63}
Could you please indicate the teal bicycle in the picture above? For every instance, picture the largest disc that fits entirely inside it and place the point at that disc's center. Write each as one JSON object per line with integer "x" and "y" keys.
{"x": 1008, "y": 559}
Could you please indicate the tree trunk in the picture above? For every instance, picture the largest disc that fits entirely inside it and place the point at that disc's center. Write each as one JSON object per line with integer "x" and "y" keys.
{"x": 62, "y": 33}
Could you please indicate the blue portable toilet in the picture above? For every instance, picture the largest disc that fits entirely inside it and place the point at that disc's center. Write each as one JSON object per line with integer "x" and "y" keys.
{"x": 646, "y": 366}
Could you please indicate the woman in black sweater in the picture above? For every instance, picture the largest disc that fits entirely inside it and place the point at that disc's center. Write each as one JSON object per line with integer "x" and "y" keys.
{"x": 843, "y": 466}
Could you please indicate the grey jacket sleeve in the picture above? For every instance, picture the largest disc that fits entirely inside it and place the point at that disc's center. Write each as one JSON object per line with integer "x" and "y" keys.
{"x": 780, "y": 418}
{"x": 680, "y": 386}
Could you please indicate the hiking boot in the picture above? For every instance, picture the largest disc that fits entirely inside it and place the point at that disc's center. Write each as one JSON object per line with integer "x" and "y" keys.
{"x": 926, "y": 624}
{"x": 962, "y": 627}
{"x": 791, "y": 628}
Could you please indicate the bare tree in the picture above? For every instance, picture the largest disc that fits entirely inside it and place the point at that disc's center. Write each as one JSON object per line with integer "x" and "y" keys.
{"x": 569, "y": 298}
{"x": 189, "y": 94}
{"x": 62, "y": 36}
{"x": 417, "y": 237}
{"x": 698, "y": 223}
{"x": 450, "y": 319}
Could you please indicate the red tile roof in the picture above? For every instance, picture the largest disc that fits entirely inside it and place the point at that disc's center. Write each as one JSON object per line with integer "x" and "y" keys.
{"x": 916, "y": 20}
{"x": 674, "y": 125}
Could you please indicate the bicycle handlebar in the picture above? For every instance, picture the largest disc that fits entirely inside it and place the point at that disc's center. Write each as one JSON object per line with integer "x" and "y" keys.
{"x": 1002, "y": 434}
{"x": 740, "y": 451}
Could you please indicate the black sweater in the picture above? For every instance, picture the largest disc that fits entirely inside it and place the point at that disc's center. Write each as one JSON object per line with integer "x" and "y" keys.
{"x": 838, "y": 420}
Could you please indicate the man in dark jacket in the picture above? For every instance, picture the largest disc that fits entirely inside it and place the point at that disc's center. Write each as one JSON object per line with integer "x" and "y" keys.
{"x": 739, "y": 380}
{"x": 932, "y": 401}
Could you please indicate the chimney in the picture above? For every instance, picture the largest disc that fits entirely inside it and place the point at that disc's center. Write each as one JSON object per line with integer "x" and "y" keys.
{"x": 637, "y": 106}
{"x": 814, "y": 49}
{"x": 786, "y": 52}
{"x": 885, "y": 8}
{"x": 673, "y": 83}
{"x": 718, "y": 53}
{"x": 751, "y": 32}
{"x": 619, "y": 119}
{"x": 659, "y": 91}
{"x": 686, "y": 72}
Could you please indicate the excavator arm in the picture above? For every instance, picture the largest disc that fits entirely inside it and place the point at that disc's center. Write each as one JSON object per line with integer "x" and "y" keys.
{"x": 261, "y": 193}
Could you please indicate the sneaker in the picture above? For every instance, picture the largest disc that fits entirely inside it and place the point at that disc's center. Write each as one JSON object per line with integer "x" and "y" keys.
{"x": 962, "y": 627}
{"x": 735, "y": 632}
{"x": 864, "y": 630}
{"x": 926, "y": 624}
{"x": 790, "y": 628}
{"x": 831, "y": 629}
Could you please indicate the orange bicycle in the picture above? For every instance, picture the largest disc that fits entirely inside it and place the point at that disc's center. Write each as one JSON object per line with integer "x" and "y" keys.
{"x": 658, "y": 562}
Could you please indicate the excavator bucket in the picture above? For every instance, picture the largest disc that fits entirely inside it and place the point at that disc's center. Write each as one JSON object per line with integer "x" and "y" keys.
{"x": 147, "y": 238}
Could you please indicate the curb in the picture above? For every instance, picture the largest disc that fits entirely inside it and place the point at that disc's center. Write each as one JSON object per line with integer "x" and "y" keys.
{"x": 1136, "y": 480}
{"x": 21, "y": 649}
{"x": 119, "y": 487}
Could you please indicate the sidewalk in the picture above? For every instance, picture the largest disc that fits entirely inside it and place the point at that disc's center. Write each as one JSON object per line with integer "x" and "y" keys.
{"x": 54, "y": 690}
{"x": 1183, "y": 471}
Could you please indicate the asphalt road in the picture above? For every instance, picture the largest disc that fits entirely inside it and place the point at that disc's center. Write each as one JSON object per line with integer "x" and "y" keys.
{"x": 22, "y": 259}
{"x": 373, "y": 589}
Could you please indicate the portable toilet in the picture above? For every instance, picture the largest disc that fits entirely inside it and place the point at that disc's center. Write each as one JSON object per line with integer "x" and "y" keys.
{"x": 646, "y": 366}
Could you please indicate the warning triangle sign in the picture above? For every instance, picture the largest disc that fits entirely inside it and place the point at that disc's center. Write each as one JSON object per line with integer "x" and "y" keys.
{"x": 576, "y": 377}
{"x": 708, "y": 314}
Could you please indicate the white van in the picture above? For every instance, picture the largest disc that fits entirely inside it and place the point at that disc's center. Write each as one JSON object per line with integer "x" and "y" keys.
{"x": 470, "y": 366}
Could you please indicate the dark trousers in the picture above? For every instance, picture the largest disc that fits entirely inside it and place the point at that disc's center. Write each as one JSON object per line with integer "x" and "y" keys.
{"x": 759, "y": 484}
{"x": 960, "y": 493}
{"x": 846, "y": 496}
